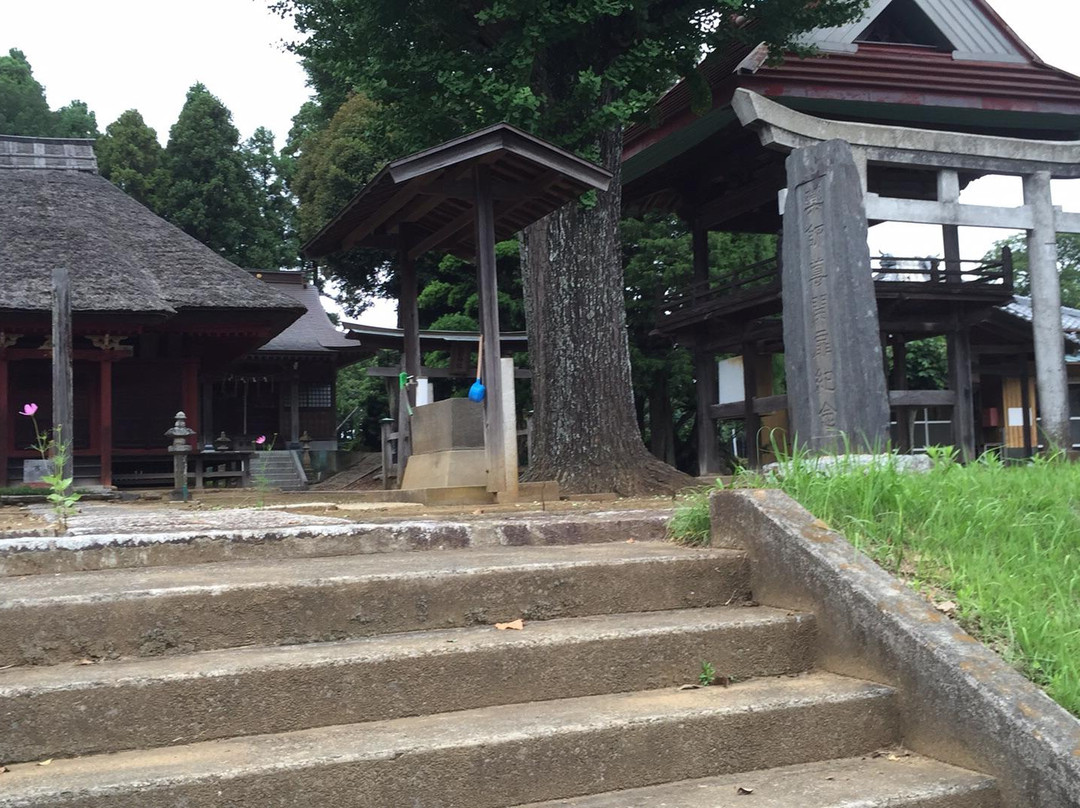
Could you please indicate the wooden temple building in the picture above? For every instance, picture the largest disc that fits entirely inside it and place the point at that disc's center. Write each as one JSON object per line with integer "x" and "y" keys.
{"x": 160, "y": 323}
{"x": 949, "y": 66}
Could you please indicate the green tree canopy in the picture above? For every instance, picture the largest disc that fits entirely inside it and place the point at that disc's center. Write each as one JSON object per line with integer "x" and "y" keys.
{"x": 272, "y": 242}
{"x": 130, "y": 156}
{"x": 211, "y": 194}
{"x": 75, "y": 120}
{"x": 565, "y": 71}
{"x": 23, "y": 108}
{"x": 1068, "y": 248}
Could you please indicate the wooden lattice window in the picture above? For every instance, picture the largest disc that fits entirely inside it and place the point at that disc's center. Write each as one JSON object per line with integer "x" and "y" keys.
{"x": 318, "y": 396}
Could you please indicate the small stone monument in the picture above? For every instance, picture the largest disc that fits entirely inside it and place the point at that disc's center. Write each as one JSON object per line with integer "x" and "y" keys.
{"x": 180, "y": 449}
{"x": 835, "y": 372}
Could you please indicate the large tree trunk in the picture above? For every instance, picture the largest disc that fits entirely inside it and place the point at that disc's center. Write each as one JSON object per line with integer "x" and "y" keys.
{"x": 585, "y": 434}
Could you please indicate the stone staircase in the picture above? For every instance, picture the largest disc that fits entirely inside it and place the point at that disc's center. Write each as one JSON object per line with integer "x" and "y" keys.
{"x": 379, "y": 680}
{"x": 278, "y": 468}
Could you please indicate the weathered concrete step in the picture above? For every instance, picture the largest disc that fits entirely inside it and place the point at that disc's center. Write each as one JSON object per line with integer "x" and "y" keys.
{"x": 257, "y": 536}
{"x": 496, "y": 756}
{"x": 148, "y": 612}
{"x": 69, "y": 710}
{"x": 900, "y": 781}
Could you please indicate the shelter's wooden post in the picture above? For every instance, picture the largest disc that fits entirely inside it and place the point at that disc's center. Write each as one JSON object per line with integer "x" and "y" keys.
{"x": 705, "y": 373}
{"x": 494, "y": 434}
{"x": 409, "y": 322}
{"x": 900, "y": 382}
{"x": 63, "y": 396}
{"x": 5, "y": 417}
{"x": 751, "y": 419}
{"x": 387, "y": 426}
{"x": 1050, "y": 374}
{"x": 963, "y": 420}
{"x": 105, "y": 427}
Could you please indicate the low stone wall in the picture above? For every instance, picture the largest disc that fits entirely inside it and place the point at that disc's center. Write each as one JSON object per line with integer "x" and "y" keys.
{"x": 960, "y": 702}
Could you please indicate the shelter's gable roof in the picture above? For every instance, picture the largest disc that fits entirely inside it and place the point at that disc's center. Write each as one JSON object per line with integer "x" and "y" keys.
{"x": 313, "y": 332}
{"x": 430, "y": 194}
{"x": 122, "y": 256}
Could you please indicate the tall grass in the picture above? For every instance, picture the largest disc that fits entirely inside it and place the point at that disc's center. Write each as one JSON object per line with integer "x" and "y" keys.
{"x": 1002, "y": 541}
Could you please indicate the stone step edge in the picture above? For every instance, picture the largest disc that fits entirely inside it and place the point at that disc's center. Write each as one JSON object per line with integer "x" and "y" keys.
{"x": 67, "y": 710}
{"x": 891, "y": 778}
{"x": 157, "y": 611}
{"x": 865, "y": 716}
{"x": 74, "y": 553}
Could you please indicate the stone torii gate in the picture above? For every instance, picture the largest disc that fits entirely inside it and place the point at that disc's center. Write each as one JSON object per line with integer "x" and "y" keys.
{"x": 945, "y": 155}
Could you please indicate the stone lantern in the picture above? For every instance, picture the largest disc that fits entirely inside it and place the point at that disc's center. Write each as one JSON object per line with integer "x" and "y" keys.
{"x": 180, "y": 449}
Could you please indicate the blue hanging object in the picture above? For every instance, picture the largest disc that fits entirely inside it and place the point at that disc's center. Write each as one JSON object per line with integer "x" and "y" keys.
{"x": 477, "y": 392}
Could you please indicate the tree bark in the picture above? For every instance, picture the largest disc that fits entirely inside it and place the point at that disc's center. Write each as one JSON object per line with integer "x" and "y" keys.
{"x": 586, "y": 435}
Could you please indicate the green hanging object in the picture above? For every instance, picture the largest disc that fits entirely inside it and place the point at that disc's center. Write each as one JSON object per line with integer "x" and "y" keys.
{"x": 403, "y": 382}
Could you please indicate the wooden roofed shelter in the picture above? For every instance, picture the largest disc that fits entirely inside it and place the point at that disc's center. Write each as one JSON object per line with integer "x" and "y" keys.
{"x": 930, "y": 95}
{"x": 461, "y": 197}
{"x": 154, "y": 311}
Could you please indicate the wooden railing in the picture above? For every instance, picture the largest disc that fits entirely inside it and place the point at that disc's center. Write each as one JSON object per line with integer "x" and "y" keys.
{"x": 754, "y": 277}
{"x": 764, "y": 276}
{"x": 895, "y": 269}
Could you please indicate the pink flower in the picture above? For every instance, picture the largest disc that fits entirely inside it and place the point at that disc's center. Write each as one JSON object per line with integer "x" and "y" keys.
{"x": 260, "y": 440}
{"x": 29, "y": 410}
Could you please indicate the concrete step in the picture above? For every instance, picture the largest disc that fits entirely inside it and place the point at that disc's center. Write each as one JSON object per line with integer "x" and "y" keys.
{"x": 252, "y": 537}
{"x": 160, "y": 610}
{"x": 888, "y": 781}
{"x": 69, "y": 710}
{"x": 490, "y": 757}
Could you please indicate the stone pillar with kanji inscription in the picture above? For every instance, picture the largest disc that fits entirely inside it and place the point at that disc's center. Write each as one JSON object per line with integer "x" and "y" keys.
{"x": 835, "y": 374}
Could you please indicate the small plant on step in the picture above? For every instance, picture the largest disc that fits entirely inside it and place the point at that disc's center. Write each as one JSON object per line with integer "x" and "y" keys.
{"x": 261, "y": 466}
{"x": 707, "y": 675}
{"x": 55, "y": 452}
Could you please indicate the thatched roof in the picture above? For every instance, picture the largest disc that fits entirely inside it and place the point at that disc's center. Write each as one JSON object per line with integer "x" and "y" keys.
{"x": 123, "y": 258}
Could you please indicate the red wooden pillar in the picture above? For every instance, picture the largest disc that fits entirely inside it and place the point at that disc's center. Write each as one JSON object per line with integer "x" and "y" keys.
{"x": 105, "y": 429}
{"x": 190, "y": 393}
{"x": 7, "y": 428}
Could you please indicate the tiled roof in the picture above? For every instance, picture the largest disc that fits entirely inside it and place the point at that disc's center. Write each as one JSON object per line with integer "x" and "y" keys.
{"x": 1021, "y": 307}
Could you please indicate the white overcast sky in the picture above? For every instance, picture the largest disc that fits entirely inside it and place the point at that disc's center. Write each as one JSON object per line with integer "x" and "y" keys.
{"x": 119, "y": 54}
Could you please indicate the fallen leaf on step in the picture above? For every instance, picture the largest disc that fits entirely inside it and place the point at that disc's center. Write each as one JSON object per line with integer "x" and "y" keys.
{"x": 45, "y": 762}
{"x": 4, "y": 770}
{"x": 690, "y": 687}
{"x": 893, "y": 757}
{"x": 744, "y": 790}
{"x": 946, "y": 607}
{"x": 514, "y": 625}
{"x": 631, "y": 541}
{"x": 85, "y": 662}
{"x": 478, "y": 511}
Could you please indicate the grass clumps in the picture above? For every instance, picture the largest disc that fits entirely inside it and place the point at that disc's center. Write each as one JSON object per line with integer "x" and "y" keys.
{"x": 1002, "y": 541}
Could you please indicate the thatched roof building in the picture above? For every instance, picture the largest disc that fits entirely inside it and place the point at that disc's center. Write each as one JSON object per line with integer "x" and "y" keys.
{"x": 156, "y": 314}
